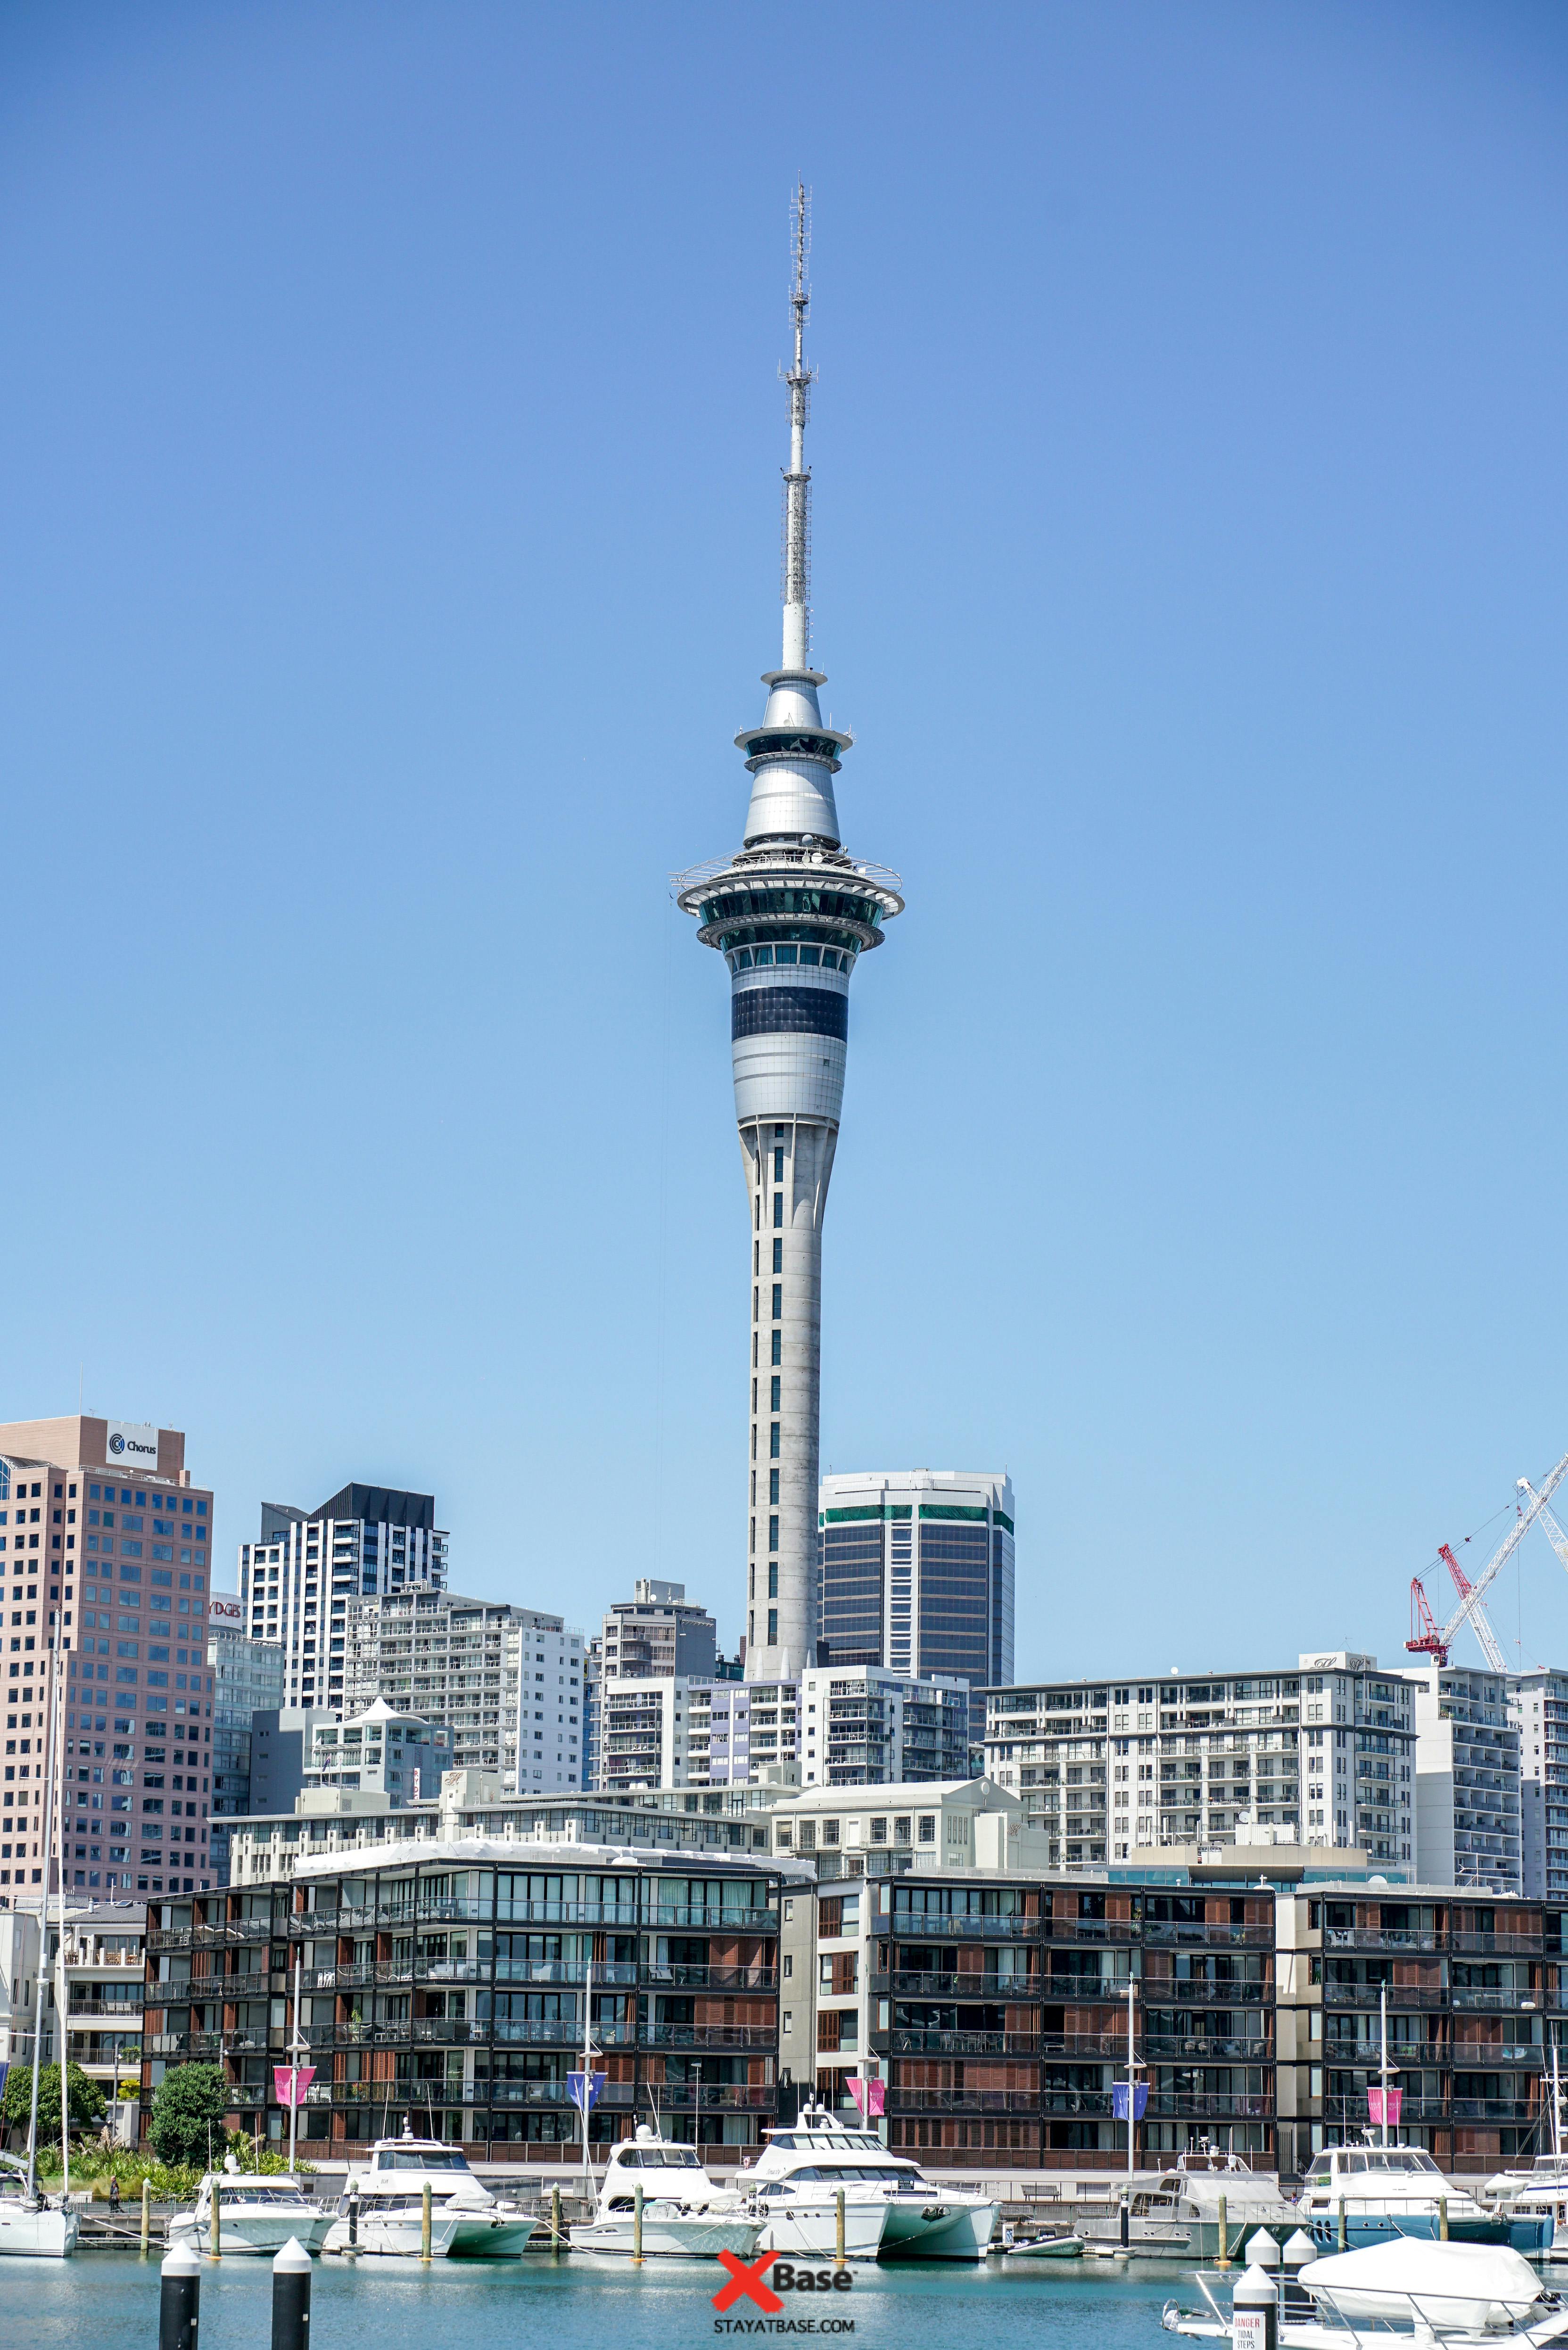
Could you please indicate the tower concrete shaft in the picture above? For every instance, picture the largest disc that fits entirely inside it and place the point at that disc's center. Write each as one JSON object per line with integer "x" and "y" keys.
{"x": 792, "y": 913}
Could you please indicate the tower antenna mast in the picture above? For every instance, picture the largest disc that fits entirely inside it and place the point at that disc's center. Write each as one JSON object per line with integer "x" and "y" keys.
{"x": 797, "y": 480}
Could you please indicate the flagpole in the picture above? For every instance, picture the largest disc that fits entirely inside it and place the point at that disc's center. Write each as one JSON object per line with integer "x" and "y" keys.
{"x": 1131, "y": 2076}
{"x": 1383, "y": 2056}
{"x": 294, "y": 2076}
{"x": 588, "y": 2069}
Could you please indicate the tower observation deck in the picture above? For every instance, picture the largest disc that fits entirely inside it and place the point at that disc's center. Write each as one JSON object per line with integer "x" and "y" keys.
{"x": 792, "y": 912}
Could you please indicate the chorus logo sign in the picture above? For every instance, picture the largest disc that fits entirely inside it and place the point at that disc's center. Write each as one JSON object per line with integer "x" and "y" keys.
{"x": 763, "y": 2283}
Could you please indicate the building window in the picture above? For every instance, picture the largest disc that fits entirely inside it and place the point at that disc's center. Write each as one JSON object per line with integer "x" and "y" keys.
{"x": 778, "y": 1301}
{"x": 773, "y": 1484}
{"x": 928, "y": 1834}
{"x": 772, "y": 1535}
{"x": 778, "y": 1345}
{"x": 772, "y": 1578}
{"x": 777, "y": 1385}
{"x": 778, "y": 1162}
{"x": 778, "y": 1256}
{"x": 772, "y": 1627}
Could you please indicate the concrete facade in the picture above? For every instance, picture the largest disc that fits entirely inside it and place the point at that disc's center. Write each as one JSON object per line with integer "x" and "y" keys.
{"x": 508, "y": 1682}
{"x": 1469, "y": 1799}
{"x": 1538, "y": 1707}
{"x": 298, "y": 1580}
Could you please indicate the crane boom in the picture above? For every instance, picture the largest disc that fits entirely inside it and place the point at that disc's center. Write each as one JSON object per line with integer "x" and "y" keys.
{"x": 1480, "y": 1623}
{"x": 1553, "y": 1531}
{"x": 1506, "y": 1548}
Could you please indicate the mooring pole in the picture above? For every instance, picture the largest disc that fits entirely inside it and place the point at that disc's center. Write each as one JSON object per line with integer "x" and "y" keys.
{"x": 291, "y": 2298}
{"x": 178, "y": 2300}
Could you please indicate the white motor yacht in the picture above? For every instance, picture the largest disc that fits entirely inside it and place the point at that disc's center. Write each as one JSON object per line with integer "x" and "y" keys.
{"x": 381, "y": 2207}
{"x": 1383, "y": 2191}
{"x": 817, "y": 2155}
{"x": 1175, "y": 2215}
{"x": 255, "y": 2214}
{"x": 684, "y": 2215}
{"x": 30, "y": 2225}
{"x": 1538, "y": 2192}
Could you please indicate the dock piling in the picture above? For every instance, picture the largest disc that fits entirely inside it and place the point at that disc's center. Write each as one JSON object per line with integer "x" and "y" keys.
{"x": 637, "y": 2225}
{"x": 1224, "y": 2259}
{"x": 425, "y": 2224}
{"x": 1442, "y": 2219}
{"x": 838, "y": 2229}
{"x": 146, "y": 2215}
{"x": 555, "y": 2219}
{"x": 178, "y": 2300}
{"x": 291, "y": 2298}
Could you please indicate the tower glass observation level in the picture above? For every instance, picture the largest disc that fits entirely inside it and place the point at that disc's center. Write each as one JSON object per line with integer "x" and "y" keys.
{"x": 792, "y": 913}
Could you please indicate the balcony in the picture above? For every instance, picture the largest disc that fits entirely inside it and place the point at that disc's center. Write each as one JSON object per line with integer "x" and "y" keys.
{"x": 1373, "y": 1938}
{"x": 1090, "y": 1930}
{"x": 959, "y": 1986}
{"x": 1174, "y": 1990}
{"x": 708, "y": 2036}
{"x": 1162, "y": 2048}
{"x": 752, "y": 1979}
{"x": 959, "y": 2043}
{"x": 909, "y": 1927}
{"x": 967, "y": 2101}
{"x": 1407, "y": 1997}
{"x": 1499, "y": 1946}
{"x": 1178, "y": 2107}
{"x": 1210, "y": 1937}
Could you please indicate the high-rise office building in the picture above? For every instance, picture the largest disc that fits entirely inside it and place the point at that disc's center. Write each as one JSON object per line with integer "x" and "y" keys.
{"x": 791, "y": 914}
{"x": 105, "y": 1532}
{"x": 297, "y": 1578}
{"x": 247, "y": 1678}
{"x": 918, "y": 1572}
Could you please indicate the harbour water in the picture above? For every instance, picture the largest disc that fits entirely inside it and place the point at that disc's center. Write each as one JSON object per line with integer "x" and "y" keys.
{"x": 110, "y": 2299}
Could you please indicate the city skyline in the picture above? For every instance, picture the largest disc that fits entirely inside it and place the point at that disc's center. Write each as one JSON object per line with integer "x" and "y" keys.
{"x": 389, "y": 549}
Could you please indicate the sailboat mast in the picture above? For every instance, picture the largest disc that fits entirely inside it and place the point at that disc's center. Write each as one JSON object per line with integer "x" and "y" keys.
{"x": 1383, "y": 2011}
{"x": 43, "y": 1924}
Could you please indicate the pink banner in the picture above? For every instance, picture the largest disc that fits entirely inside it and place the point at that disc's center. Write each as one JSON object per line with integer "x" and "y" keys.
{"x": 1375, "y": 2099}
{"x": 871, "y": 2097}
{"x": 290, "y": 2082}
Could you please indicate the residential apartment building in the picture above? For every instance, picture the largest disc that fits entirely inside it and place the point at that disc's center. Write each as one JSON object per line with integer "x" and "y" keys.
{"x": 506, "y": 1681}
{"x": 991, "y": 2002}
{"x": 1538, "y": 1708}
{"x": 400, "y": 1755}
{"x": 298, "y": 1579}
{"x": 109, "y": 1546}
{"x": 915, "y": 1573}
{"x": 658, "y": 1634}
{"x": 850, "y": 1727}
{"x": 247, "y": 1678}
{"x": 685, "y": 1978}
{"x": 104, "y": 1971}
{"x": 283, "y": 1741}
{"x": 1470, "y": 1800}
{"x": 1112, "y": 1770}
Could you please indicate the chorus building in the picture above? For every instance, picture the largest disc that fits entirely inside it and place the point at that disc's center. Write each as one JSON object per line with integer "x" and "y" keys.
{"x": 106, "y": 1553}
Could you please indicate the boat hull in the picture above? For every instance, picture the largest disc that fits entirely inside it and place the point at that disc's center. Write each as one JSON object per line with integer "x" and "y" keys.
{"x": 1362, "y": 2228}
{"x": 45, "y": 2235}
{"x": 684, "y": 2238}
{"x": 263, "y": 2233}
{"x": 1183, "y": 2240}
{"x": 935, "y": 2228}
{"x": 398, "y": 2239}
{"x": 810, "y": 2231}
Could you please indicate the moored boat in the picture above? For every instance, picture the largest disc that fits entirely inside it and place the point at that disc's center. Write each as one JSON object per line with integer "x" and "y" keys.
{"x": 817, "y": 2155}
{"x": 255, "y": 2214}
{"x": 684, "y": 2215}
{"x": 381, "y": 2207}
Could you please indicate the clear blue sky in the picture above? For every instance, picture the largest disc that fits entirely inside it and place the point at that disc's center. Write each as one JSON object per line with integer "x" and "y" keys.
{"x": 391, "y": 514}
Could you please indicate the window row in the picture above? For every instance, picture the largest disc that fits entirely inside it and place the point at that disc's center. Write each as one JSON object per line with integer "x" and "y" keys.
{"x": 760, "y": 958}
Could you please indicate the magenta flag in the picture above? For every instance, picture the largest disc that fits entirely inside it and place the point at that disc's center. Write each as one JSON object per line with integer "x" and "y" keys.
{"x": 871, "y": 2097}
{"x": 290, "y": 2082}
{"x": 1375, "y": 2099}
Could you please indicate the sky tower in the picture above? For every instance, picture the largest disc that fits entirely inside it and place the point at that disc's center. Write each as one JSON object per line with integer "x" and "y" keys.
{"x": 791, "y": 913}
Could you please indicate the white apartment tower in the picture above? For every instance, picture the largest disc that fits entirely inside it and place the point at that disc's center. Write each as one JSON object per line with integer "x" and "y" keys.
{"x": 791, "y": 913}
{"x": 506, "y": 1681}
{"x": 297, "y": 1580}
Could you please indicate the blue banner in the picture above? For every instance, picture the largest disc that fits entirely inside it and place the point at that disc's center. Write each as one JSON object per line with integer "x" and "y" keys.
{"x": 584, "y": 2089}
{"x": 1119, "y": 2100}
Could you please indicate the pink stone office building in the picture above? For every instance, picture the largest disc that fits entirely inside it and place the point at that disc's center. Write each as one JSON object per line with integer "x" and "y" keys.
{"x": 102, "y": 1528}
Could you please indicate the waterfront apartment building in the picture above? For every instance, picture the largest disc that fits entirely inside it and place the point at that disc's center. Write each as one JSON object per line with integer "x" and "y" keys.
{"x": 104, "y": 1970}
{"x": 508, "y": 1682}
{"x": 1538, "y": 1707}
{"x": 247, "y": 1678}
{"x": 658, "y": 1634}
{"x": 1469, "y": 1794}
{"x": 298, "y": 1579}
{"x": 993, "y": 2005}
{"x": 442, "y": 1988}
{"x": 1115, "y": 1769}
{"x": 109, "y": 1544}
{"x": 916, "y": 1572}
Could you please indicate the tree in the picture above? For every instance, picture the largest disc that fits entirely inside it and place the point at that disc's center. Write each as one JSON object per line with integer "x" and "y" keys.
{"x": 191, "y": 2100}
{"x": 84, "y": 2096}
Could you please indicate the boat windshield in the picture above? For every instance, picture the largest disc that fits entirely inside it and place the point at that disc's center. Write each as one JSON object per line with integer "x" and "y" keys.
{"x": 436, "y": 2158}
{"x": 658, "y": 2158}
